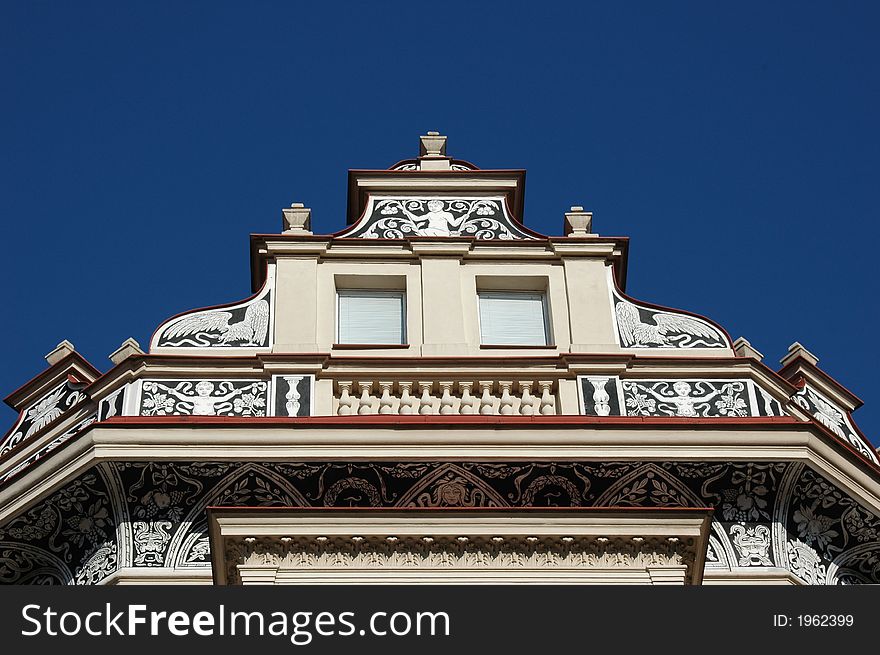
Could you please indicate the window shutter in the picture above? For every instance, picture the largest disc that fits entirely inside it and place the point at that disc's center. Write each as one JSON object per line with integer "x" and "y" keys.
{"x": 371, "y": 317}
{"x": 512, "y": 318}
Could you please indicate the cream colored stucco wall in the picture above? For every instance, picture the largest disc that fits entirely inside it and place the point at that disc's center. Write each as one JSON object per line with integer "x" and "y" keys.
{"x": 441, "y": 287}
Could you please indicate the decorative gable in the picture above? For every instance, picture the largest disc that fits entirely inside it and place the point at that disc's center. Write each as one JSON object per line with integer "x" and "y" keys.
{"x": 398, "y": 217}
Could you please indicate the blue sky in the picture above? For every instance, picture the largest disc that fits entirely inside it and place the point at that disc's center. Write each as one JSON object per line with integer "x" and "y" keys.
{"x": 736, "y": 144}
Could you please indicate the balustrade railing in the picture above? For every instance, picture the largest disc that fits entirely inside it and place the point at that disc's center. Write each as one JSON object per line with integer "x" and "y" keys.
{"x": 445, "y": 397}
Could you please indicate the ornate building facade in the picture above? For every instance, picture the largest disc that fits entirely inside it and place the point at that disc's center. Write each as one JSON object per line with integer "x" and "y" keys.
{"x": 436, "y": 393}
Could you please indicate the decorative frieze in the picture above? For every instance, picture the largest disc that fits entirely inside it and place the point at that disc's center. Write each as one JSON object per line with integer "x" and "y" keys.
{"x": 389, "y": 217}
{"x": 203, "y": 398}
{"x": 833, "y": 417}
{"x": 612, "y": 396}
{"x": 814, "y": 528}
{"x": 465, "y": 553}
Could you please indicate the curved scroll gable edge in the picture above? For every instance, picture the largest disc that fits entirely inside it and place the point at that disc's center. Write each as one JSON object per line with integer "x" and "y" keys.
{"x": 615, "y": 292}
{"x": 265, "y": 292}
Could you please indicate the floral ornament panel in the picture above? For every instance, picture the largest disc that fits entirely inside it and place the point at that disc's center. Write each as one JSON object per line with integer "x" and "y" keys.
{"x": 611, "y": 396}
{"x": 830, "y": 531}
{"x": 400, "y": 217}
{"x": 72, "y": 529}
{"x": 833, "y": 417}
{"x": 766, "y": 514}
{"x": 203, "y": 398}
{"x": 41, "y": 413}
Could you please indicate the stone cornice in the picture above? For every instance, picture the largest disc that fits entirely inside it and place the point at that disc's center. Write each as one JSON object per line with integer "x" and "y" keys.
{"x": 367, "y": 541}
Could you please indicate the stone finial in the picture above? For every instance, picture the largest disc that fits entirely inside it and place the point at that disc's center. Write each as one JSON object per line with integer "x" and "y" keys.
{"x": 743, "y": 348}
{"x": 432, "y": 145}
{"x": 61, "y": 351}
{"x": 297, "y": 219}
{"x": 128, "y": 348}
{"x": 578, "y": 223}
{"x": 797, "y": 351}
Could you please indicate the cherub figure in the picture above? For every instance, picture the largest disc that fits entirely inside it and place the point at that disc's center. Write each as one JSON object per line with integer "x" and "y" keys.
{"x": 683, "y": 400}
{"x": 204, "y": 404}
{"x": 437, "y": 222}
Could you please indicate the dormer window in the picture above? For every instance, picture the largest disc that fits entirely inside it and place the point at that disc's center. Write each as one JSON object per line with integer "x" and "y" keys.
{"x": 370, "y": 317}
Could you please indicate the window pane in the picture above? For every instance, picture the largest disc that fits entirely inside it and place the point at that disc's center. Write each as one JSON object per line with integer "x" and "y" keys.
{"x": 512, "y": 318}
{"x": 370, "y": 317}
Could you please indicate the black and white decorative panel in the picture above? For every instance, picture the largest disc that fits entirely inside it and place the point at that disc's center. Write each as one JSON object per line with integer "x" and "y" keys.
{"x": 398, "y": 217}
{"x": 639, "y": 326}
{"x": 57, "y": 442}
{"x": 294, "y": 395}
{"x": 48, "y": 409}
{"x": 203, "y": 397}
{"x": 112, "y": 405}
{"x": 833, "y": 417}
{"x": 152, "y": 514}
{"x": 600, "y": 396}
{"x": 246, "y": 325}
{"x": 611, "y": 396}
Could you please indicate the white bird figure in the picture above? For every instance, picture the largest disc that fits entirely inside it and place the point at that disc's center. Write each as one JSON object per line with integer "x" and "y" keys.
{"x": 687, "y": 331}
{"x": 195, "y": 329}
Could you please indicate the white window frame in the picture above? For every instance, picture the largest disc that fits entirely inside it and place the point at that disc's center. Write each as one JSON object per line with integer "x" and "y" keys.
{"x": 373, "y": 292}
{"x": 545, "y": 310}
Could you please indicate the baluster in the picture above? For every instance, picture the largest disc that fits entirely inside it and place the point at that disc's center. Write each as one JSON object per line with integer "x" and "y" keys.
{"x": 467, "y": 400}
{"x": 345, "y": 399}
{"x": 426, "y": 404}
{"x": 447, "y": 403}
{"x": 386, "y": 402}
{"x": 365, "y": 405}
{"x": 292, "y": 396}
{"x": 406, "y": 401}
{"x": 548, "y": 404}
{"x": 600, "y": 396}
{"x": 526, "y": 408}
{"x": 506, "y": 405}
{"x": 486, "y": 400}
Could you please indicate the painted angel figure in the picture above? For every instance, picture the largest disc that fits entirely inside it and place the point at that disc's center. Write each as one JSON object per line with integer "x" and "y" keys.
{"x": 204, "y": 404}
{"x": 685, "y": 403}
{"x": 437, "y": 222}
